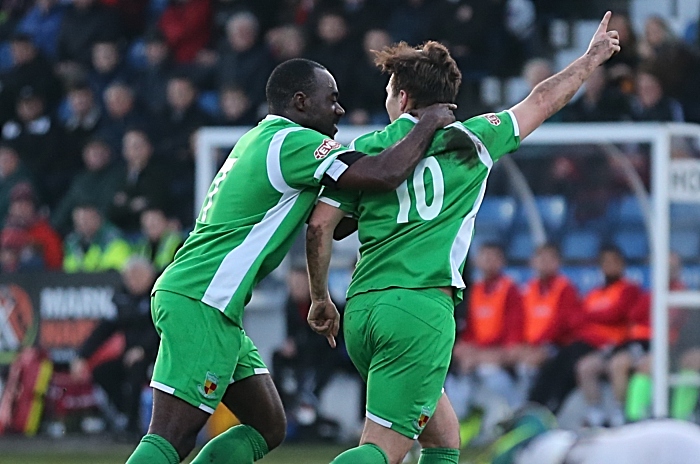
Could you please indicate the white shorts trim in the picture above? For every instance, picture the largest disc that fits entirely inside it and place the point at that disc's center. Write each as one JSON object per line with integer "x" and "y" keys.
{"x": 206, "y": 408}
{"x": 378, "y": 420}
{"x": 261, "y": 370}
{"x": 162, "y": 387}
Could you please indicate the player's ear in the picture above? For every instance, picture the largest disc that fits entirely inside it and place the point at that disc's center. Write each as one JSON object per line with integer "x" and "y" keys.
{"x": 299, "y": 100}
{"x": 403, "y": 101}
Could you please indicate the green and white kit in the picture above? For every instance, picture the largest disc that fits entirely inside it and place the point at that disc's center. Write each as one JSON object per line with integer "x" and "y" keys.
{"x": 255, "y": 207}
{"x": 412, "y": 242}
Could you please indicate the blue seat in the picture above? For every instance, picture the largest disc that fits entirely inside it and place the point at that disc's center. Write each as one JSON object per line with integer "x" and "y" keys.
{"x": 686, "y": 243}
{"x": 581, "y": 245}
{"x": 496, "y": 213}
{"x": 521, "y": 246}
{"x": 481, "y": 236}
{"x": 633, "y": 243}
{"x": 585, "y": 278}
{"x": 519, "y": 274}
{"x": 553, "y": 211}
{"x": 691, "y": 276}
{"x": 630, "y": 213}
{"x": 685, "y": 216}
{"x": 209, "y": 102}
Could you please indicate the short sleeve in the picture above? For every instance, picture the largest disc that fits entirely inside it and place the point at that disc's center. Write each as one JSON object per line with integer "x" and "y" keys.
{"x": 498, "y": 132}
{"x": 347, "y": 201}
{"x": 306, "y": 156}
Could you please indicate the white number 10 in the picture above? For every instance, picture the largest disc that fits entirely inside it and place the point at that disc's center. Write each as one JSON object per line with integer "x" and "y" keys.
{"x": 425, "y": 211}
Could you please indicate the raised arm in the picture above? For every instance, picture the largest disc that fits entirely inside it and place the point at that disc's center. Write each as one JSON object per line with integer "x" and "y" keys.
{"x": 553, "y": 94}
{"x": 323, "y": 317}
{"x": 386, "y": 171}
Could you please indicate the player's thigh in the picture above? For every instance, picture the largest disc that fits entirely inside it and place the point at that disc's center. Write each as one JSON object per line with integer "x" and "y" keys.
{"x": 253, "y": 398}
{"x": 442, "y": 430}
{"x": 394, "y": 445}
{"x": 198, "y": 350}
{"x": 407, "y": 344}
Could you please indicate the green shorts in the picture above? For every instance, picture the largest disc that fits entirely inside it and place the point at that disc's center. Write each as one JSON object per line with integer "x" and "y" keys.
{"x": 201, "y": 351}
{"x": 400, "y": 341}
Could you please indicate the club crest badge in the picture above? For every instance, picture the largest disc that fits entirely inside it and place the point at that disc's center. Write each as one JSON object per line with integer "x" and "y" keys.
{"x": 209, "y": 387}
{"x": 493, "y": 119}
{"x": 423, "y": 419}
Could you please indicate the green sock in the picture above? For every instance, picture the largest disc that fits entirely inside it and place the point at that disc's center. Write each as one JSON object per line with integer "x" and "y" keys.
{"x": 639, "y": 393}
{"x": 368, "y": 453}
{"x": 154, "y": 449}
{"x": 241, "y": 444}
{"x": 685, "y": 397}
{"x": 439, "y": 456}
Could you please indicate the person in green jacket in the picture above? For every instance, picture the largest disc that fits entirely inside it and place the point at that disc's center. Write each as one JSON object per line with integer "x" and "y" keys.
{"x": 158, "y": 242}
{"x": 94, "y": 245}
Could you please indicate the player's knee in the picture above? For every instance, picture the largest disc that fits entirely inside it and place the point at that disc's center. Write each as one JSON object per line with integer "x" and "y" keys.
{"x": 275, "y": 432}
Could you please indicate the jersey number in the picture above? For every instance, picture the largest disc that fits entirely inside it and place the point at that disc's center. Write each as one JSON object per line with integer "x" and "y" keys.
{"x": 223, "y": 172}
{"x": 425, "y": 211}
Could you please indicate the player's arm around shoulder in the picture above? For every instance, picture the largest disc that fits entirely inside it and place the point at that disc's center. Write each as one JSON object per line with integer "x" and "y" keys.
{"x": 553, "y": 94}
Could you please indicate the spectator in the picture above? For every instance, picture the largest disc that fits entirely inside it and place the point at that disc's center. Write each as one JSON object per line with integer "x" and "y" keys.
{"x": 657, "y": 36}
{"x": 93, "y": 245}
{"x": 41, "y": 236}
{"x": 12, "y": 172}
{"x": 599, "y": 102}
{"x": 534, "y": 71}
{"x": 411, "y": 21}
{"x": 83, "y": 119}
{"x": 17, "y": 253}
{"x": 622, "y": 65}
{"x": 11, "y": 12}
{"x": 133, "y": 15}
{"x": 106, "y": 65}
{"x": 151, "y": 80}
{"x": 159, "y": 240}
{"x": 43, "y": 23}
{"x": 286, "y": 42}
{"x": 97, "y": 184}
{"x": 186, "y": 25}
{"x": 141, "y": 186}
{"x": 550, "y": 303}
{"x": 363, "y": 15}
{"x": 30, "y": 69}
{"x": 120, "y": 115}
{"x": 236, "y": 108}
{"x": 304, "y": 365}
{"x": 603, "y": 327}
{"x": 366, "y": 94}
{"x": 651, "y": 103}
{"x": 243, "y": 57}
{"x": 334, "y": 48}
{"x": 37, "y": 139}
{"x": 83, "y": 24}
{"x": 482, "y": 353}
{"x": 182, "y": 116}
{"x": 124, "y": 378}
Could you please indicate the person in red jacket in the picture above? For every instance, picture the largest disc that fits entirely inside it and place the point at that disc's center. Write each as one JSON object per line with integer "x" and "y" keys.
{"x": 23, "y": 214}
{"x": 603, "y": 325}
{"x": 494, "y": 326}
{"x": 186, "y": 25}
{"x": 550, "y": 303}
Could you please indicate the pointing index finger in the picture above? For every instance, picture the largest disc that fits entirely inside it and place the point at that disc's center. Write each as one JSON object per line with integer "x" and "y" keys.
{"x": 604, "y": 23}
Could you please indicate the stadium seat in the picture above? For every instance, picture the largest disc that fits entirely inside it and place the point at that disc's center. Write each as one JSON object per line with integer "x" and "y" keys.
{"x": 209, "y": 102}
{"x": 585, "y": 278}
{"x": 630, "y": 213}
{"x": 496, "y": 213}
{"x": 633, "y": 244}
{"x": 580, "y": 245}
{"x": 686, "y": 243}
{"x": 685, "y": 216}
{"x": 519, "y": 274}
{"x": 553, "y": 210}
{"x": 521, "y": 247}
{"x": 639, "y": 274}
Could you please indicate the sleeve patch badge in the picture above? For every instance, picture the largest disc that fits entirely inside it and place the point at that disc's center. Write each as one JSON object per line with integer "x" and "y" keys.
{"x": 326, "y": 147}
{"x": 493, "y": 119}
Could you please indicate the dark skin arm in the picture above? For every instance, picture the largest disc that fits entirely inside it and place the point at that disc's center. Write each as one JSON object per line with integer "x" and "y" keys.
{"x": 386, "y": 171}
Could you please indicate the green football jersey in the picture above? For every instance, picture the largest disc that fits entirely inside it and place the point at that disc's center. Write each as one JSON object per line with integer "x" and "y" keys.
{"x": 255, "y": 207}
{"x": 418, "y": 236}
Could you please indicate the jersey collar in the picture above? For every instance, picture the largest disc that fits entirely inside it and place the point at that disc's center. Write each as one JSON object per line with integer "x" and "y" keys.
{"x": 274, "y": 117}
{"x": 409, "y": 117}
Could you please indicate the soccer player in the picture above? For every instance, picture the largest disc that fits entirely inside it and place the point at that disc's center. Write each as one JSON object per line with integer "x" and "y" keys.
{"x": 256, "y": 205}
{"x": 399, "y": 325}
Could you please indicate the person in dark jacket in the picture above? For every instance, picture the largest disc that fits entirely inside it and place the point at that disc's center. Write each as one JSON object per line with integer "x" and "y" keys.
{"x": 83, "y": 23}
{"x": 124, "y": 378}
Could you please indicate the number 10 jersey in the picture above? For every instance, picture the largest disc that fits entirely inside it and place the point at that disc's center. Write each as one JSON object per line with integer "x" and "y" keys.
{"x": 418, "y": 236}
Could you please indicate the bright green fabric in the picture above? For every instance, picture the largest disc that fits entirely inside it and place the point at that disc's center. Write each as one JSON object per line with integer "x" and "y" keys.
{"x": 439, "y": 456}
{"x": 639, "y": 393}
{"x": 418, "y": 236}
{"x": 368, "y": 453}
{"x": 154, "y": 449}
{"x": 685, "y": 397}
{"x": 107, "y": 251}
{"x": 241, "y": 444}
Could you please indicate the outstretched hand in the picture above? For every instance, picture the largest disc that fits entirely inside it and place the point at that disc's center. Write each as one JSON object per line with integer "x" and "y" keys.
{"x": 324, "y": 319}
{"x": 439, "y": 114}
{"x": 604, "y": 43}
